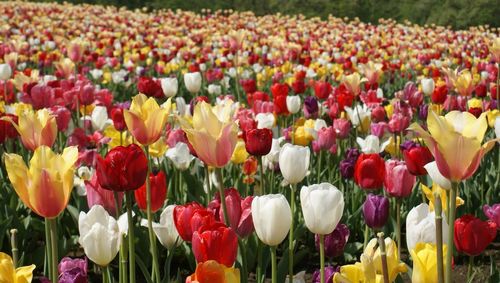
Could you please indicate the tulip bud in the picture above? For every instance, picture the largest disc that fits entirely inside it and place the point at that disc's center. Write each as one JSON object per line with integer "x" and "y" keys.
{"x": 335, "y": 241}
{"x": 416, "y": 157}
{"x": 326, "y": 138}
{"x": 293, "y": 104}
{"x": 258, "y": 141}
{"x": 180, "y": 156}
{"x": 369, "y": 171}
{"x": 376, "y": 211}
{"x": 214, "y": 89}
{"x": 165, "y": 230}
{"x": 97, "y": 195}
{"x": 472, "y": 235}
{"x": 398, "y": 180}
{"x": 5, "y": 72}
{"x": 169, "y": 86}
{"x": 311, "y": 108}
{"x": 421, "y": 226}
{"x": 272, "y": 218}
{"x": 294, "y": 162}
{"x": 72, "y": 270}
{"x": 209, "y": 240}
{"x": 322, "y": 206}
{"x": 427, "y": 86}
{"x": 329, "y": 273}
{"x": 322, "y": 89}
{"x": 183, "y": 215}
{"x": 342, "y": 127}
{"x": 158, "y": 184}
{"x": 192, "y": 82}
{"x": 118, "y": 120}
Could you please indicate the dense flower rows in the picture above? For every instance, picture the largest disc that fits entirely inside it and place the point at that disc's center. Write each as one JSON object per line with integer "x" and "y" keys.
{"x": 373, "y": 146}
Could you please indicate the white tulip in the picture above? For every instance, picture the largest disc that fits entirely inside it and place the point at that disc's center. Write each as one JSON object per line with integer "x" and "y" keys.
{"x": 5, "y": 72}
{"x": 371, "y": 144}
{"x": 100, "y": 235}
{"x": 436, "y": 176}
{"x": 497, "y": 127}
{"x": 272, "y": 158}
{"x": 265, "y": 120}
{"x": 192, "y": 82}
{"x": 427, "y": 86}
{"x": 297, "y": 278}
{"x": 96, "y": 73}
{"x": 421, "y": 226}
{"x": 214, "y": 89}
{"x": 169, "y": 86}
{"x": 294, "y": 162}
{"x": 358, "y": 114}
{"x": 272, "y": 218}
{"x": 99, "y": 118}
{"x": 322, "y": 206}
{"x": 165, "y": 230}
{"x": 180, "y": 156}
{"x": 180, "y": 104}
{"x": 293, "y": 103}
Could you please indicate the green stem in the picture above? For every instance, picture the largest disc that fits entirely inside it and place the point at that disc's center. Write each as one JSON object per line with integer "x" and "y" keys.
{"x": 322, "y": 257}
{"x": 207, "y": 183}
{"x": 262, "y": 184}
{"x": 131, "y": 238}
{"x": 383, "y": 256}
{"x": 259, "y": 261}
{"x": 155, "y": 274}
{"x": 290, "y": 238}
{"x": 398, "y": 226}
{"x": 48, "y": 251}
{"x": 273, "y": 265}
{"x": 319, "y": 166}
{"x": 218, "y": 174}
{"x": 439, "y": 236}
{"x": 104, "y": 272}
{"x": 122, "y": 267}
{"x": 451, "y": 230}
{"x": 243, "y": 252}
{"x": 469, "y": 268}
{"x": 13, "y": 244}
{"x": 53, "y": 247}
{"x": 365, "y": 241}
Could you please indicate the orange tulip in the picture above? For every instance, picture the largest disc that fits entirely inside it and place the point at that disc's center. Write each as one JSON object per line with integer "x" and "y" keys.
{"x": 36, "y": 128}
{"x": 213, "y": 272}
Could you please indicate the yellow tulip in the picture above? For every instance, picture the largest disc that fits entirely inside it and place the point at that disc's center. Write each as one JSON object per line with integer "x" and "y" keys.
{"x": 495, "y": 49}
{"x": 240, "y": 153}
{"x": 146, "y": 119}
{"x": 424, "y": 257}
{"x": 394, "y": 266}
{"x": 353, "y": 83}
{"x": 359, "y": 272}
{"x": 158, "y": 148}
{"x": 429, "y": 194}
{"x": 36, "y": 128}
{"x": 212, "y": 135}
{"x": 116, "y": 140}
{"x": 66, "y": 67}
{"x": 455, "y": 141}
{"x": 9, "y": 274}
{"x": 44, "y": 187}
{"x": 463, "y": 83}
{"x": 491, "y": 116}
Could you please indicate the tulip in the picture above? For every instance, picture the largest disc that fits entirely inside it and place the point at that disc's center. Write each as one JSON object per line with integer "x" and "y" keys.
{"x": 322, "y": 206}
{"x": 5, "y": 72}
{"x": 208, "y": 240}
{"x": 146, "y": 119}
{"x": 436, "y": 176}
{"x": 362, "y": 272}
{"x": 169, "y": 86}
{"x": 293, "y": 104}
{"x": 100, "y": 235}
{"x": 369, "y": 171}
{"x": 294, "y": 162}
{"x": 398, "y": 180}
{"x": 213, "y": 272}
{"x": 421, "y": 226}
{"x": 272, "y": 218}
{"x": 65, "y": 67}
{"x": 97, "y": 195}
{"x": 36, "y": 128}
{"x": 73, "y": 270}
{"x": 497, "y": 127}
{"x": 473, "y": 235}
{"x": 123, "y": 168}
{"x": 359, "y": 116}
{"x": 182, "y": 219}
{"x": 165, "y": 230}
{"x": 239, "y": 211}
{"x": 48, "y": 180}
{"x": 335, "y": 241}
{"x": 7, "y": 129}
{"x": 213, "y": 138}
{"x": 258, "y": 141}
{"x": 493, "y": 213}
{"x": 118, "y": 119}
{"x": 326, "y": 138}
{"x": 416, "y": 157}
{"x": 99, "y": 118}
{"x": 371, "y": 144}
{"x": 352, "y": 83}
{"x": 158, "y": 183}
{"x": 265, "y": 120}
{"x": 180, "y": 156}
{"x": 9, "y": 273}
{"x": 464, "y": 84}
{"x": 424, "y": 257}
{"x": 427, "y": 86}
{"x": 376, "y": 211}
{"x": 214, "y": 89}
{"x": 394, "y": 266}
{"x": 311, "y": 107}
{"x": 329, "y": 273}
{"x": 240, "y": 153}
{"x": 436, "y": 189}
{"x": 322, "y": 89}
{"x": 192, "y": 82}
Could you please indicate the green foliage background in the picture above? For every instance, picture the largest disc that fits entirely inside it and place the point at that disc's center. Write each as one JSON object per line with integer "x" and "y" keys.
{"x": 457, "y": 13}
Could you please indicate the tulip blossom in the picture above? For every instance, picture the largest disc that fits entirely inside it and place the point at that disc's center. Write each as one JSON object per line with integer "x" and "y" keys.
{"x": 424, "y": 256}
{"x": 258, "y": 141}
{"x": 213, "y": 272}
{"x": 376, "y": 211}
{"x": 183, "y": 214}
{"x": 208, "y": 240}
{"x": 193, "y": 82}
{"x": 36, "y": 128}
{"x": 239, "y": 211}
{"x": 212, "y": 137}
{"x": 371, "y": 144}
{"x": 146, "y": 119}
{"x": 158, "y": 183}
{"x": 322, "y": 206}
{"x": 352, "y": 83}
{"x": 272, "y": 218}
{"x": 362, "y": 272}
{"x": 394, "y": 266}
{"x": 473, "y": 235}
{"x": 5, "y": 72}
{"x": 293, "y": 104}
{"x": 369, "y": 171}
{"x": 123, "y": 168}
{"x": 100, "y": 235}
{"x": 335, "y": 241}
{"x": 294, "y": 162}
{"x": 359, "y": 116}
{"x": 72, "y": 270}
{"x": 180, "y": 156}
{"x": 421, "y": 226}
{"x": 329, "y": 273}
{"x": 416, "y": 157}
{"x": 97, "y": 195}
{"x": 9, "y": 273}
{"x": 427, "y": 86}
{"x": 436, "y": 189}
{"x": 169, "y": 86}
{"x": 464, "y": 84}
{"x": 455, "y": 141}
{"x": 493, "y": 213}
{"x": 398, "y": 181}
{"x": 48, "y": 180}
{"x": 265, "y": 120}
{"x": 165, "y": 230}
{"x": 240, "y": 153}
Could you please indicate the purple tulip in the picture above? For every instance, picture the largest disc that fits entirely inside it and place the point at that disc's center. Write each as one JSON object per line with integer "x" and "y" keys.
{"x": 329, "y": 273}
{"x": 73, "y": 270}
{"x": 335, "y": 241}
{"x": 347, "y": 165}
{"x": 423, "y": 110}
{"x": 311, "y": 107}
{"x": 493, "y": 213}
{"x": 376, "y": 211}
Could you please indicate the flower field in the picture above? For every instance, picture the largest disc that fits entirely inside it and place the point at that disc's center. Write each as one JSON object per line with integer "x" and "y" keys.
{"x": 221, "y": 147}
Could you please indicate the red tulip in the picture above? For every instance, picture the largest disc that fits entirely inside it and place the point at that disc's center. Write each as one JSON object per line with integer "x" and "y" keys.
{"x": 158, "y": 192}
{"x": 249, "y": 85}
{"x": 118, "y": 120}
{"x": 473, "y": 235}
{"x": 439, "y": 94}
{"x": 215, "y": 242}
{"x": 299, "y": 86}
{"x": 150, "y": 87}
{"x": 369, "y": 171}
{"x": 279, "y": 90}
{"x": 123, "y": 168}
{"x": 322, "y": 89}
{"x": 182, "y": 219}
{"x": 280, "y": 105}
{"x": 258, "y": 141}
{"x": 416, "y": 157}
{"x": 7, "y": 130}
{"x": 398, "y": 180}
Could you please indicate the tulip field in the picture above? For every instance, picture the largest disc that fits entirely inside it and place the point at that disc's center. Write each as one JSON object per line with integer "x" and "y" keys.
{"x": 220, "y": 147}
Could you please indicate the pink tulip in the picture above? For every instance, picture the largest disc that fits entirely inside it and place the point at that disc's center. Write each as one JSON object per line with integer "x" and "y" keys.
{"x": 342, "y": 127}
{"x": 398, "y": 180}
{"x": 239, "y": 211}
{"x": 398, "y": 123}
{"x": 326, "y": 138}
{"x": 96, "y": 195}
